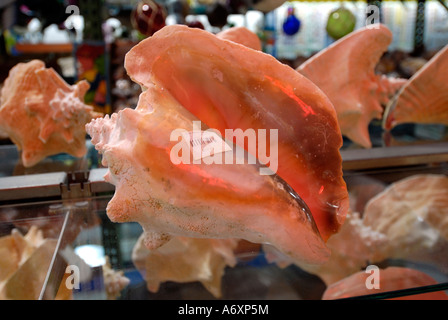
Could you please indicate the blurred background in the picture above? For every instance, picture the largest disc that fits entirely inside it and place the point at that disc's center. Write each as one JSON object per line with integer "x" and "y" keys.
{"x": 88, "y": 39}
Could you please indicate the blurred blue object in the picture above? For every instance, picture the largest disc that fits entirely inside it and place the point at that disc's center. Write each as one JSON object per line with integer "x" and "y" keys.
{"x": 291, "y": 25}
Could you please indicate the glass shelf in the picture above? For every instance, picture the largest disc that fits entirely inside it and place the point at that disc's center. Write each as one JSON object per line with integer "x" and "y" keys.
{"x": 77, "y": 226}
{"x": 66, "y": 199}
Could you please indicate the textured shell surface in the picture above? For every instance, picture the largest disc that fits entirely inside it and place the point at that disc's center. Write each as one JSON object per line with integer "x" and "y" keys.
{"x": 42, "y": 114}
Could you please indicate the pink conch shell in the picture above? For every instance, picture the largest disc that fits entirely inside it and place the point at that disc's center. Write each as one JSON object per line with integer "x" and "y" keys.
{"x": 242, "y": 36}
{"x": 424, "y": 99}
{"x": 195, "y": 200}
{"x": 412, "y": 213}
{"x": 390, "y": 279}
{"x": 345, "y": 72}
{"x": 229, "y": 86}
{"x": 185, "y": 260}
{"x": 42, "y": 114}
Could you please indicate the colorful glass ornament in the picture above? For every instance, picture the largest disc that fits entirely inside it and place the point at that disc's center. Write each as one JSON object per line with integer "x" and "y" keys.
{"x": 340, "y": 23}
{"x": 291, "y": 25}
{"x": 148, "y": 17}
{"x": 217, "y": 14}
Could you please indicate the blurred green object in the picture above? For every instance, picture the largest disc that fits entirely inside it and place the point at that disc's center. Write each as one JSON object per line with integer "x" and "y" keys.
{"x": 340, "y": 23}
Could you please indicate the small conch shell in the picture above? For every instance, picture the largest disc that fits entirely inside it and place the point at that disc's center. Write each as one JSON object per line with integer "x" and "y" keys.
{"x": 114, "y": 280}
{"x": 42, "y": 114}
{"x": 24, "y": 263}
{"x": 345, "y": 71}
{"x": 186, "y": 260}
{"x": 424, "y": 99}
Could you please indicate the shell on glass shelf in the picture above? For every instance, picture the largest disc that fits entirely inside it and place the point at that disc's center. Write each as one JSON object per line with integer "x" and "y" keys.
{"x": 185, "y": 260}
{"x": 210, "y": 198}
{"x": 424, "y": 99}
{"x": 42, "y": 114}
{"x": 228, "y": 86}
{"x": 345, "y": 71}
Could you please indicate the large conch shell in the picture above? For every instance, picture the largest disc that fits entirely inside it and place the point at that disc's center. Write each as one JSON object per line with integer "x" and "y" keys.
{"x": 204, "y": 200}
{"x": 185, "y": 260}
{"x": 229, "y": 86}
{"x": 42, "y": 114}
{"x": 424, "y": 99}
{"x": 345, "y": 71}
{"x": 389, "y": 279}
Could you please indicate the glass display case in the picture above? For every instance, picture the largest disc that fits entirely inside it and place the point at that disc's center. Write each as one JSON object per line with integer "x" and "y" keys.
{"x": 57, "y": 241}
{"x": 59, "y": 219}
